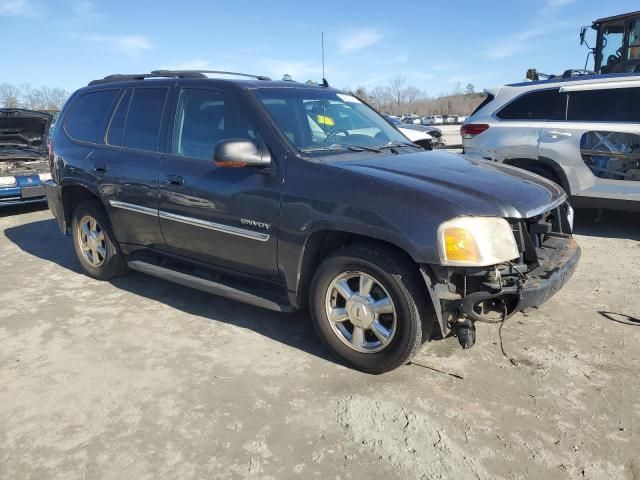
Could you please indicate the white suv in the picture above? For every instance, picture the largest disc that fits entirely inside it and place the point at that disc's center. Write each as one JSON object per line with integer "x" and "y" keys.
{"x": 583, "y": 133}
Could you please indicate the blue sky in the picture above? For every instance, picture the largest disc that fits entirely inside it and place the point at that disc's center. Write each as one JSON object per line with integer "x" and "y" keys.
{"x": 434, "y": 44}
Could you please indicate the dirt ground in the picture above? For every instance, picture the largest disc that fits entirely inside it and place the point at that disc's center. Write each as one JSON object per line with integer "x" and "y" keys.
{"x": 142, "y": 379}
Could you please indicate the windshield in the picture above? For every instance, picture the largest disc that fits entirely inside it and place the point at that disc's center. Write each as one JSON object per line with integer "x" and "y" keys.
{"x": 321, "y": 121}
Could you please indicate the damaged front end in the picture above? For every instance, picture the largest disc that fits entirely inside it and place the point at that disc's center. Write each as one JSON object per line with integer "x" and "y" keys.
{"x": 548, "y": 256}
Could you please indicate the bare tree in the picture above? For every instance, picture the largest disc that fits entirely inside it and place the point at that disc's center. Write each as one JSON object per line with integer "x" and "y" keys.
{"x": 31, "y": 98}
{"x": 362, "y": 94}
{"x": 411, "y": 94}
{"x": 43, "y": 98}
{"x": 381, "y": 99}
{"x": 54, "y": 98}
{"x": 9, "y": 95}
{"x": 397, "y": 86}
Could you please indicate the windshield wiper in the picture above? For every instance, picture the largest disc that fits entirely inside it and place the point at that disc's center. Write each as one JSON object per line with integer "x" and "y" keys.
{"x": 398, "y": 144}
{"x": 343, "y": 146}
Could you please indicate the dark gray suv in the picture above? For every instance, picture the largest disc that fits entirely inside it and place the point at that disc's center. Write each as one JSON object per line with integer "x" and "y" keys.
{"x": 291, "y": 196}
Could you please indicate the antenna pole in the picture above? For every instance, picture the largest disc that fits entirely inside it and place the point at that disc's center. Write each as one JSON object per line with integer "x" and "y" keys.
{"x": 323, "y": 56}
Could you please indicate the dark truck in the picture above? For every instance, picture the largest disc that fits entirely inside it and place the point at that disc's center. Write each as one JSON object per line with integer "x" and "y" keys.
{"x": 290, "y": 196}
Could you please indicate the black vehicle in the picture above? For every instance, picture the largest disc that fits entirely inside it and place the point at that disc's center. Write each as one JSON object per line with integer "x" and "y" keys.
{"x": 23, "y": 158}
{"x": 291, "y": 196}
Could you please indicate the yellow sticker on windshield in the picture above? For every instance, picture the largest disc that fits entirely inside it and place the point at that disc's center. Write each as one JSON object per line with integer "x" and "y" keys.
{"x": 324, "y": 120}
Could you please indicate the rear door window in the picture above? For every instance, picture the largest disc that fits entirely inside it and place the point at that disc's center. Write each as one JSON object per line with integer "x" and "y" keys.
{"x": 537, "y": 105}
{"x": 88, "y": 116}
{"x": 612, "y": 105}
{"x": 142, "y": 128}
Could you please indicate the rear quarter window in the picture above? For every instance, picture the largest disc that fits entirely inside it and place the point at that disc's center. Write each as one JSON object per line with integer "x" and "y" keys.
{"x": 88, "y": 115}
{"x": 537, "y": 105}
{"x": 613, "y": 105}
{"x": 489, "y": 98}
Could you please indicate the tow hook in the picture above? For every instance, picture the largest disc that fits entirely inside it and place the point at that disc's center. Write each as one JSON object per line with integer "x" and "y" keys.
{"x": 466, "y": 332}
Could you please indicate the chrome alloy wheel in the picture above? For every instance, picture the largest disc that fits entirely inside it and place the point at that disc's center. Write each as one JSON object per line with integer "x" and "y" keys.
{"x": 361, "y": 312}
{"x": 91, "y": 241}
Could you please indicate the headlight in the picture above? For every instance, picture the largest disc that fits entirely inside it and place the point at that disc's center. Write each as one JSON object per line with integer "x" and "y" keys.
{"x": 476, "y": 242}
{"x": 8, "y": 181}
{"x": 44, "y": 176}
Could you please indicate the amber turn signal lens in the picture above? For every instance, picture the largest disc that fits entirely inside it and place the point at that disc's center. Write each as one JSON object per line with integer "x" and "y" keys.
{"x": 460, "y": 245}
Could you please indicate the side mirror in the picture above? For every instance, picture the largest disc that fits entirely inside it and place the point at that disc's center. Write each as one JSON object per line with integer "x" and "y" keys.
{"x": 532, "y": 75}
{"x": 239, "y": 153}
{"x": 583, "y": 32}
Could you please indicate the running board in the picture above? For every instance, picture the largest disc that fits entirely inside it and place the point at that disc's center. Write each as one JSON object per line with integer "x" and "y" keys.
{"x": 207, "y": 286}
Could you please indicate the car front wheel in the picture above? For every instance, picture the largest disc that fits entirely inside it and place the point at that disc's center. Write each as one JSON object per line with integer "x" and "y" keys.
{"x": 368, "y": 305}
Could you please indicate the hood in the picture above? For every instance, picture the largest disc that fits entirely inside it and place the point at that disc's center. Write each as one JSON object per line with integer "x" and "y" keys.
{"x": 457, "y": 185}
{"x": 421, "y": 128}
{"x": 412, "y": 134}
{"x": 24, "y": 128}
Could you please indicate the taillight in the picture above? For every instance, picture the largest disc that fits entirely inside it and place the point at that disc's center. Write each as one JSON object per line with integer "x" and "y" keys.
{"x": 470, "y": 130}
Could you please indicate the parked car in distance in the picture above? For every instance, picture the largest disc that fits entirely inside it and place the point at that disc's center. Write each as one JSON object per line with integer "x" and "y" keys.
{"x": 291, "y": 196}
{"x": 432, "y": 120}
{"x": 411, "y": 120}
{"x": 451, "y": 119}
{"x": 412, "y": 132}
{"x": 461, "y": 119}
{"x": 426, "y": 136}
{"x": 23, "y": 156}
{"x": 583, "y": 133}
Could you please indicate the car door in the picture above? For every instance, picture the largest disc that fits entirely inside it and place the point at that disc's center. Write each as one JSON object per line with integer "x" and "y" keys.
{"x": 601, "y": 132}
{"x": 127, "y": 166}
{"x": 222, "y": 216}
{"x": 517, "y": 133}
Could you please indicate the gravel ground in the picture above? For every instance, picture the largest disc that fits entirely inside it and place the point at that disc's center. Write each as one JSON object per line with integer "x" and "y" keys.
{"x": 141, "y": 379}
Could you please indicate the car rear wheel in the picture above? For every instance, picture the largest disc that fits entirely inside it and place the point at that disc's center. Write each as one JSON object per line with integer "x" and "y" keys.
{"x": 369, "y": 307}
{"x": 94, "y": 243}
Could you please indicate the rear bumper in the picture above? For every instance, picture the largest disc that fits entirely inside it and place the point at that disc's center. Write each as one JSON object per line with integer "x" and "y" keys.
{"x": 28, "y": 189}
{"x": 54, "y": 200}
{"x": 5, "y": 202}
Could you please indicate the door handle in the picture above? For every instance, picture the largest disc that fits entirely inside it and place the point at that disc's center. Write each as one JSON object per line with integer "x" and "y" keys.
{"x": 99, "y": 168}
{"x": 556, "y": 134}
{"x": 175, "y": 180}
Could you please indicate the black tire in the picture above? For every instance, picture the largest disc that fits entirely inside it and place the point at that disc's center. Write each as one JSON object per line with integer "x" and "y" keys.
{"x": 113, "y": 263}
{"x": 545, "y": 173}
{"x": 400, "y": 277}
{"x": 549, "y": 174}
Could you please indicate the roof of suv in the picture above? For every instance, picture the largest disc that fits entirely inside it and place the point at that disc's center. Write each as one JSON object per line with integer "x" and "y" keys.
{"x": 610, "y": 77}
{"x": 250, "y": 81}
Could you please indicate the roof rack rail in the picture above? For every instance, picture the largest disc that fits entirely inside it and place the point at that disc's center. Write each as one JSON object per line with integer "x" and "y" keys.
{"x": 180, "y": 73}
{"x": 119, "y": 77}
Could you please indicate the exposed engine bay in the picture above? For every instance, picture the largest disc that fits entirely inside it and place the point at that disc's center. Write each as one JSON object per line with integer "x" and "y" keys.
{"x": 612, "y": 155}
{"x": 23, "y": 167}
{"x": 23, "y": 135}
